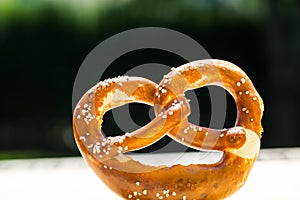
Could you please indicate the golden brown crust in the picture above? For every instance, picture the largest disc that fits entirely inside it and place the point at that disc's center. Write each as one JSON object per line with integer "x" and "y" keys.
{"x": 215, "y": 181}
{"x": 240, "y": 144}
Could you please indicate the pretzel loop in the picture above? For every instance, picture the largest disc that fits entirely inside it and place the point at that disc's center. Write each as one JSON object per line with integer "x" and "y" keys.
{"x": 212, "y": 72}
{"x": 113, "y": 93}
{"x": 240, "y": 144}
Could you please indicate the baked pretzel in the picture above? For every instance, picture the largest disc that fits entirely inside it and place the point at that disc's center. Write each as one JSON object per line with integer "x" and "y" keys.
{"x": 134, "y": 180}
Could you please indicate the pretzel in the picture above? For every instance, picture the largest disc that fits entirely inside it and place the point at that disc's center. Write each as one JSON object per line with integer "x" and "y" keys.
{"x": 134, "y": 180}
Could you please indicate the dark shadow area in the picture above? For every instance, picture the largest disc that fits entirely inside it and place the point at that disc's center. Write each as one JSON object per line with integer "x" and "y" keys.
{"x": 43, "y": 45}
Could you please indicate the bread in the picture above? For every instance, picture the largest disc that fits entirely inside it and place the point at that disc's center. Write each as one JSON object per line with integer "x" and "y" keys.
{"x": 134, "y": 180}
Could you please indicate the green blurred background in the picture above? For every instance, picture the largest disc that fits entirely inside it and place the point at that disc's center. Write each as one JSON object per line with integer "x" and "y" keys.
{"x": 43, "y": 43}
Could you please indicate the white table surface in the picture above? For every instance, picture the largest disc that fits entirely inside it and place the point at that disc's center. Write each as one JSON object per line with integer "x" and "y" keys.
{"x": 276, "y": 175}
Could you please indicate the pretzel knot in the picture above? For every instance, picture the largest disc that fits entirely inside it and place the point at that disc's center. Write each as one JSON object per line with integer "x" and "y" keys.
{"x": 134, "y": 180}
